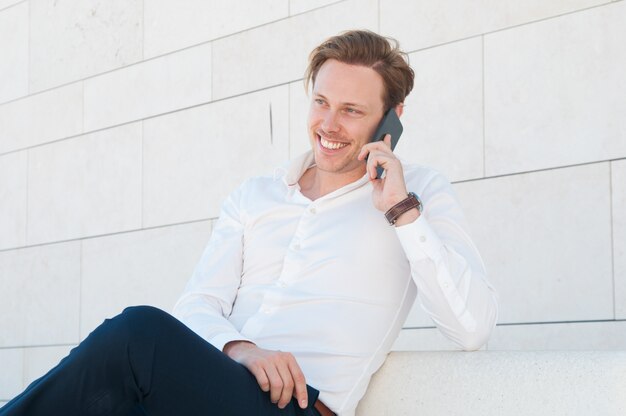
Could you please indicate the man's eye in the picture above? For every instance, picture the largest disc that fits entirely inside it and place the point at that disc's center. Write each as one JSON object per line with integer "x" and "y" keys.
{"x": 352, "y": 111}
{"x": 319, "y": 101}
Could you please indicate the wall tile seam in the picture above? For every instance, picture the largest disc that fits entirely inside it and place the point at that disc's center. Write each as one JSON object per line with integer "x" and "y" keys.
{"x": 546, "y": 169}
{"x": 482, "y": 87}
{"x": 272, "y": 22}
{"x": 96, "y": 236}
{"x": 533, "y": 323}
{"x": 310, "y": 10}
{"x": 612, "y": 221}
{"x": 285, "y": 18}
{"x": 496, "y": 31}
{"x": 176, "y": 110}
{"x": 80, "y": 290}
{"x": 141, "y": 176}
{"x": 36, "y": 346}
{"x": 144, "y": 59}
{"x": 12, "y": 5}
{"x": 165, "y": 225}
{"x": 27, "y": 196}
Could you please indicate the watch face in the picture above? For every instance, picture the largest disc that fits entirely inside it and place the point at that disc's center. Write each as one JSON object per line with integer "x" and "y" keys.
{"x": 419, "y": 201}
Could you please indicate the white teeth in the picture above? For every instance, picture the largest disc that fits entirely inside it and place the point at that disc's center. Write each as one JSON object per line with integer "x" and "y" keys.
{"x": 331, "y": 145}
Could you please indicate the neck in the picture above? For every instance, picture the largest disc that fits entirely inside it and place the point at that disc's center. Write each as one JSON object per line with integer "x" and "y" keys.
{"x": 316, "y": 183}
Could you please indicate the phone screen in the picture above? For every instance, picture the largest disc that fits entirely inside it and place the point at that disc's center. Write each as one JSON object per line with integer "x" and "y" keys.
{"x": 390, "y": 124}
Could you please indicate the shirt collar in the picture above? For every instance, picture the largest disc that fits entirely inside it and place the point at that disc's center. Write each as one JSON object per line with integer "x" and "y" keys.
{"x": 292, "y": 171}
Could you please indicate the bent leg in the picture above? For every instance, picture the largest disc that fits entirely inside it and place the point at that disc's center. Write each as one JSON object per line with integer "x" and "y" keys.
{"x": 145, "y": 356}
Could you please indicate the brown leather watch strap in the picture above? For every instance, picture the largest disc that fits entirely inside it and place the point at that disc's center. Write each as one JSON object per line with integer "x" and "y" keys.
{"x": 411, "y": 201}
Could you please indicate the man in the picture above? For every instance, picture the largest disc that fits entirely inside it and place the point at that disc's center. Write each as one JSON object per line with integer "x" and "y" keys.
{"x": 304, "y": 285}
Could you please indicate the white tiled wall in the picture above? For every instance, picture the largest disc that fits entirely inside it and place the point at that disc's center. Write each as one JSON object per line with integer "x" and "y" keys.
{"x": 546, "y": 240}
{"x": 39, "y": 301}
{"x": 149, "y": 88}
{"x": 14, "y": 47}
{"x": 443, "y": 118}
{"x": 123, "y": 125}
{"x": 137, "y": 268}
{"x": 41, "y": 118}
{"x": 75, "y": 39}
{"x": 170, "y": 26}
{"x": 189, "y": 155}
{"x": 13, "y": 199}
{"x": 85, "y": 186}
{"x": 551, "y": 102}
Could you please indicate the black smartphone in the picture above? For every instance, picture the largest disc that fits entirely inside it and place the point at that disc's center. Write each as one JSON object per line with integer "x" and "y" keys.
{"x": 390, "y": 124}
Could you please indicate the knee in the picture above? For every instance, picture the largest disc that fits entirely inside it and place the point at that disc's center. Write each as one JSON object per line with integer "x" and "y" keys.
{"x": 144, "y": 315}
{"x": 137, "y": 324}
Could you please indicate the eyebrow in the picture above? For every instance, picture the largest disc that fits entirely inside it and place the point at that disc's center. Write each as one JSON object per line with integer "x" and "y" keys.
{"x": 347, "y": 104}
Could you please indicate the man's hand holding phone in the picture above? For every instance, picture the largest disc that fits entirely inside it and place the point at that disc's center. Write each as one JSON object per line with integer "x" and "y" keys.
{"x": 391, "y": 189}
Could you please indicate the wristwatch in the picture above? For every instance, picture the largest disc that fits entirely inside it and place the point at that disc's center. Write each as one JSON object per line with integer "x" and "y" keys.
{"x": 410, "y": 202}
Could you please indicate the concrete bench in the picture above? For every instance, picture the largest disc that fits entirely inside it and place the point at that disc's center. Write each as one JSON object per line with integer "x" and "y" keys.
{"x": 485, "y": 383}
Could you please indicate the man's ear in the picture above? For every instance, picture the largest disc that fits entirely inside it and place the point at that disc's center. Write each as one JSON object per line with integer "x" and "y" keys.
{"x": 399, "y": 109}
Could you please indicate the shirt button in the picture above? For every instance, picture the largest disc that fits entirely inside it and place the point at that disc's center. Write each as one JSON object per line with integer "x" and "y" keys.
{"x": 296, "y": 246}
{"x": 282, "y": 284}
{"x": 422, "y": 238}
{"x": 312, "y": 210}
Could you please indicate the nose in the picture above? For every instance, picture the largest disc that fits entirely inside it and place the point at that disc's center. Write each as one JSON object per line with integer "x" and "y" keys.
{"x": 329, "y": 122}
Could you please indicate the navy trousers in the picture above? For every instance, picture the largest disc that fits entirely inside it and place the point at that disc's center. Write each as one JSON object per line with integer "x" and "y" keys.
{"x": 146, "y": 362}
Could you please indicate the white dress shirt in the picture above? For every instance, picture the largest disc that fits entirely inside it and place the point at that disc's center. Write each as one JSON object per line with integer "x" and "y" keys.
{"x": 331, "y": 282}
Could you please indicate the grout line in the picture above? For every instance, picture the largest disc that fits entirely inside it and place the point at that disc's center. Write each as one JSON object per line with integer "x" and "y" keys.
{"x": 212, "y": 69}
{"x": 289, "y": 138}
{"x": 80, "y": 291}
{"x": 535, "y": 323}
{"x": 82, "y": 127}
{"x": 13, "y": 5}
{"x": 611, "y": 222}
{"x": 531, "y": 22}
{"x": 124, "y": 123}
{"x": 285, "y": 18}
{"x": 90, "y": 237}
{"x": 271, "y": 125}
{"x": 590, "y": 321}
{"x": 484, "y": 106}
{"x": 547, "y": 169}
{"x": 27, "y": 195}
{"x": 13, "y": 347}
{"x": 28, "y": 63}
{"x": 143, "y": 30}
{"x": 205, "y": 42}
{"x": 240, "y": 94}
{"x": 141, "y": 174}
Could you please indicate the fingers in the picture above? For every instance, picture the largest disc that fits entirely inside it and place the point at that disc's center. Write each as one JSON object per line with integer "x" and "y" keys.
{"x": 300, "y": 384}
{"x": 378, "y": 154}
{"x": 279, "y": 374}
{"x": 384, "y": 146}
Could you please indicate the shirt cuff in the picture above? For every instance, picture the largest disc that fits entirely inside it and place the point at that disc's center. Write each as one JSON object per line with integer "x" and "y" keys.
{"x": 220, "y": 340}
{"x": 419, "y": 240}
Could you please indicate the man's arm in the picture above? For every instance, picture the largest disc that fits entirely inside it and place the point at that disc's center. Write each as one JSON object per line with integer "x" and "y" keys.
{"x": 208, "y": 299}
{"x": 445, "y": 264}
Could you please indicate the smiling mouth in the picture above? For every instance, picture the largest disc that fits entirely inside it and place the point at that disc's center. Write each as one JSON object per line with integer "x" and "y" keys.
{"x": 330, "y": 145}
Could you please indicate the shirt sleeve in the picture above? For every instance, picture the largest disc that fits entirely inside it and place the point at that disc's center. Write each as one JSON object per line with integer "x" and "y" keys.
{"x": 447, "y": 268}
{"x": 208, "y": 298}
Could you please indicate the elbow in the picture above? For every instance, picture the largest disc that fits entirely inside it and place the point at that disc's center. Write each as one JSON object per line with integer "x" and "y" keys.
{"x": 481, "y": 331}
{"x": 474, "y": 341}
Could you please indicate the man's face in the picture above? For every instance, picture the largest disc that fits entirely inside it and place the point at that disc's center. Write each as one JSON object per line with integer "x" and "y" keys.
{"x": 346, "y": 107}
